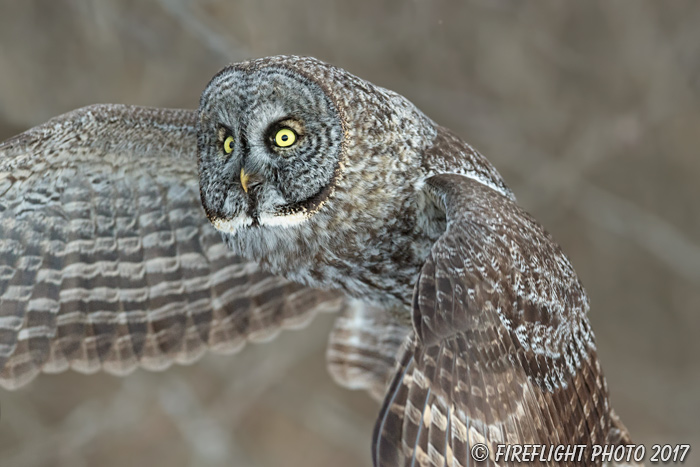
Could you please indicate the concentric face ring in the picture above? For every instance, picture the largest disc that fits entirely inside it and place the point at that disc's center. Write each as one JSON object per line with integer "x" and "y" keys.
{"x": 270, "y": 145}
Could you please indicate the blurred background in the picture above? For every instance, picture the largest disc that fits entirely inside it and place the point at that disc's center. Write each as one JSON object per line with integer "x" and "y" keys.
{"x": 590, "y": 110}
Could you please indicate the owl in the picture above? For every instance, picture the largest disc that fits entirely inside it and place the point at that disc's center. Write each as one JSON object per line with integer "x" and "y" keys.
{"x": 138, "y": 237}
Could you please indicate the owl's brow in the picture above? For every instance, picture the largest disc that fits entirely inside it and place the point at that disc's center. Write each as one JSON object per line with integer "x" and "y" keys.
{"x": 245, "y": 119}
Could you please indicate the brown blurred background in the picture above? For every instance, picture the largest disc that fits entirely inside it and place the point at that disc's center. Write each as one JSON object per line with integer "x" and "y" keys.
{"x": 591, "y": 111}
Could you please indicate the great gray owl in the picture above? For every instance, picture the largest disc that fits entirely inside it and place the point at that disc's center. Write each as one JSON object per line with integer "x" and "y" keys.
{"x": 330, "y": 193}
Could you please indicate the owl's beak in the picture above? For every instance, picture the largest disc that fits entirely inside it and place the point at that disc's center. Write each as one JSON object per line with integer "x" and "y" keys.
{"x": 244, "y": 180}
{"x": 249, "y": 180}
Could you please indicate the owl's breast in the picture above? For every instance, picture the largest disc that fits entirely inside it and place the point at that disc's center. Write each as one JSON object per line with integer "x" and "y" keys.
{"x": 367, "y": 251}
{"x": 375, "y": 258}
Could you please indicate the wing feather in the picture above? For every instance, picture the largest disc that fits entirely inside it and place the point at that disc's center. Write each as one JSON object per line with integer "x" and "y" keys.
{"x": 107, "y": 261}
{"x": 501, "y": 352}
{"x": 363, "y": 347}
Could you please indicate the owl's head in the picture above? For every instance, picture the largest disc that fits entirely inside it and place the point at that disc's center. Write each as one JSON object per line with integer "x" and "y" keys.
{"x": 287, "y": 144}
{"x": 270, "y": 146}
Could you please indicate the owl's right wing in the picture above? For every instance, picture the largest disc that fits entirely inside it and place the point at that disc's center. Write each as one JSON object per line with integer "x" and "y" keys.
{"x": 107, "y": 260}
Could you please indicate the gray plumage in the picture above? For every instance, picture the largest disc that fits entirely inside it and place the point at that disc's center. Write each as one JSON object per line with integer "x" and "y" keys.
{"x": 459, "y": 311}
{"x": 106, "y": 258}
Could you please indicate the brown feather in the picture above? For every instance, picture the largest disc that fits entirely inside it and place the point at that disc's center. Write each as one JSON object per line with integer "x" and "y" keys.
{"x": 502, "y": 346}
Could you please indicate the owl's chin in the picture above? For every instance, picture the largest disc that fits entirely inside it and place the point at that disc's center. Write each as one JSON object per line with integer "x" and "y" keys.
{"x": 232, "y": 225}
{"x": 283, "y": 220}
{"x": 244, "y": 221}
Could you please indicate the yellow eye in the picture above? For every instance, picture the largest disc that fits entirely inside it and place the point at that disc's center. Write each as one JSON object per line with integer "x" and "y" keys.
{"x": 228, "y": 144}
{"x": 285, "y": 138}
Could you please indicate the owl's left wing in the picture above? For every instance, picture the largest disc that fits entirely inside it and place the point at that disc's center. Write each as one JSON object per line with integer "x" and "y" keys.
{"x": 502, "y": 352}
{"x": 362, "y": 347}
